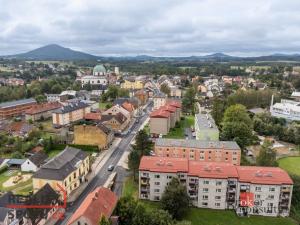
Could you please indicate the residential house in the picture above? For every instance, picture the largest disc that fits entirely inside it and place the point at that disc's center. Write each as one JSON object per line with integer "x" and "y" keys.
{"x": 159, "y": 100}
{"x": 92, "y": 116}
{"x": 70, "y": 113}
{"x": 19, "y": 129}
{"x": 100, "y": 202}
{"x": 15, "y": 163}
{"x": 287, "y": 109}
{"x": 160, "y": 122}
{"x": 132, "y": 83}
{"x": 142, "y": 95}
{"x": 117, "y": 122}
{"x": 175, "y": 92}
{"x": 206, "y": 128}
{"x": 41, "y": 111}
{"x": 44, "y": 196}
{"x": 10, "y": 216}
{"x": 207, "y": 151}
{"x": 96, "y": 135}
{"x": 34, "y": 162}
{"x": 219, "y": 185}
{"x": 115, "y": 109}
{"x": 15, "y": 108}
{"x": 68, "y": 169}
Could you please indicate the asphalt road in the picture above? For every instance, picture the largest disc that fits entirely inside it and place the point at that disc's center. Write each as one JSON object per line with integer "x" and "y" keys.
{"x": 103, "y": 174}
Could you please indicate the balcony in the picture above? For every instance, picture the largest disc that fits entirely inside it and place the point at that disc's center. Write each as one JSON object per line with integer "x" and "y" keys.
{"x": 285, "y": 189}
{"x": 144, "y": 182}
{"x": 144, "y": 175}
{"x": 231, "y": 190}
{"x": 145, "y": 190}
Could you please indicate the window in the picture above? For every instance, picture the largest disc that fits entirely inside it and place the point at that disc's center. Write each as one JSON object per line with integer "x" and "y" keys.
{"x": 234, "y": 159}
{"x": 217, "y": 204}
{"x": 272, "y": 189}
{"x": 219, "y": 183}
{"x": 156, "y": 183}
{"x": 78, "y": 223}
{"x": 156, "y": 198}
{"x": 204, "y": 203}
{"x": 169, "y": 177}
{"x": 218, "y": 190}
{"x": 205, "y": 197}
{"x": 226, "y": 153}
{"x": 156, "y": 190}
{"x": 201, "y": 157}
{"x": 271, "y": 197}
{"x": 205, "y": 182}
{"x": 65, "y": 183}
{"x": 257, "y": 188}
{"x": 257, "y": 196}
{"x": 234, "y": 153}
{"x": 156, "y": 176}
{"x": 218, "y": 197}
{"x": 74, "y": 175}
{"x": 205, "y": 190}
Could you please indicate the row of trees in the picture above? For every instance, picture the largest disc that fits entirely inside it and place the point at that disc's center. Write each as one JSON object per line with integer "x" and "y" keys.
{"x": 114, "y": 92}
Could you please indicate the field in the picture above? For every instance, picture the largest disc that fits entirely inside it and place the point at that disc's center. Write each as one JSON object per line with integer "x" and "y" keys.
{"x": 178, "y": 132}
{"x": 290, "y": 164}
{"x": 103, "y": 105}
{"x": 199, "y": 216}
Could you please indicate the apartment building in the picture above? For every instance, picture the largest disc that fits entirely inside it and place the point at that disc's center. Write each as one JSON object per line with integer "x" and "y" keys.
{"x": 207, "y": 151}
{"x": 134, "y": 84}
{"x": 68, "y": 169}
{"x": 70, "y": 113}
{"x": 15, "y": 108}
{"x": 41, "y": 111}
{"x": 265, "y": 191}
{"x": 159, "y": 100}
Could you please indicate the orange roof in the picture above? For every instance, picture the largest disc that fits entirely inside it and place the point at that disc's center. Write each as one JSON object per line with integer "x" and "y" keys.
{"x": 169, "y": 108}
{"x": 164, "y": 164}
{"x": 212, "y": 170}
{"x": 128, "y": 106}
{"x": 160, "y": 113}
{"x": 43, "y": 108}
{"x": 217, "y": 170}
{"x": 263, "y": 175}
{"x": 174, "y": 103}
{"x": 100, "y": 202}
{"x": 92, "y": 116}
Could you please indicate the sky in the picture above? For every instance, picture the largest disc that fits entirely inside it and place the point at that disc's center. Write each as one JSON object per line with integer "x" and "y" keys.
{"x": 152, "y": 27}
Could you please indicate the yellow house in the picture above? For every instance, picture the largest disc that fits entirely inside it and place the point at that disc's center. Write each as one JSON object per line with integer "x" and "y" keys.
{"x": 68, "y": 169}
{"x": 97, "y": 135}
{"x": 133, "y": 84}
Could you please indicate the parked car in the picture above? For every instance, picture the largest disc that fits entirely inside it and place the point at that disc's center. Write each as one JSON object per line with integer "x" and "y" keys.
{"x": 110, "y": 167}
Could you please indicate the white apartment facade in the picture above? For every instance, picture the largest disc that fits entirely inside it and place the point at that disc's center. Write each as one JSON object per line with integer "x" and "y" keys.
{"x": 219, "y": 185}
{"x": 287, "y": 109}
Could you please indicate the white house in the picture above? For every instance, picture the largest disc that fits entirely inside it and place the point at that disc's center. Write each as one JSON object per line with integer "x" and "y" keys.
{"x": 33, "y": 163}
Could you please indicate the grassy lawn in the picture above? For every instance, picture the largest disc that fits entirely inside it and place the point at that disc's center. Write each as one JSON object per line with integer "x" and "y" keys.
{"x": 22, "y": 187}
{"x": 199, "y": 216}
{"x": 178, "y": 133}
{"x": 290, "y": 164}
{"x": 102, "y": 105}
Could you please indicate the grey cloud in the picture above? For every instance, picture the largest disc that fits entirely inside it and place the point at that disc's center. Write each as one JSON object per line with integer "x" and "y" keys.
{"x": 168, "y": 27}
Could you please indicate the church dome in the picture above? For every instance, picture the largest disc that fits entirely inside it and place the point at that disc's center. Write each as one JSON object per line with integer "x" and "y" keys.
{"x": 99, "y": 70}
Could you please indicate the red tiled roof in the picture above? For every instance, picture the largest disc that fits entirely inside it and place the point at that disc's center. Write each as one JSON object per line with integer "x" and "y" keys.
{"x": 263, "y": 175}
{"x": 212, "y": 170}
{"x": 164, "y": 164}
{"x": 43, "y": 108}
{"x": 128, "y": 106}
{"x": 169, "y": 108}
{"x": 100, "y": 202}
{"x": 92, "y": 116}
{"x": 175, "y": 104}
{"x": 160, "y": 113}
{"x": 218, "y": 170}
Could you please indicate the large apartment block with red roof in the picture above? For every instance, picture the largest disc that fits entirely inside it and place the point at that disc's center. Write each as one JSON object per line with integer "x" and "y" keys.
{"x": 164, "y": 118}
{"x": 265, "y": 191}
{"x": 206, "y": 151}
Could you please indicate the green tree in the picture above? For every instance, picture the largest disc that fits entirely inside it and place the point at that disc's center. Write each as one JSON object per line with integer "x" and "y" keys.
{"x": 267, "y": 155}
{"x": 237, "y": 125}
{"x": 175, "y": 199}
{"x": 142, "y": 146}
{"x": 104, "y": 221}
{"x": 218, "y": 109}
{"x": 125, "y": 210}
{"x": 189, "y": 100}
{"x": 165, "y": 89}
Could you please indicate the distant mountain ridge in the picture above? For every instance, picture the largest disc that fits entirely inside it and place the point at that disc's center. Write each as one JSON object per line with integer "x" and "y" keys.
{"x": 54, "y": 52}
{"x": 57, "y": 52}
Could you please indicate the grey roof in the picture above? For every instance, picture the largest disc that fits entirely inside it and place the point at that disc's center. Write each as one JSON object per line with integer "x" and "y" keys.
{"x": 61, "y": 165}
{"x": 38, "y": 158}
{"x": 205, "y": 121}
{"x": 71, "y": 107}
{"x": 163, "y": 142}
{"x": 104, "y": 128}
{"x": 18, "y": 102}
{"x": 3, "y": 213}
{"x": 16, "y": 161}
{"x": 257, "y": 110}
